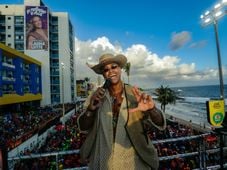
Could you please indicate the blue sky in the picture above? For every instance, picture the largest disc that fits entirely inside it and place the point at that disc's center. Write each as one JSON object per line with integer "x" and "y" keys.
{"x": 163, "y": 39}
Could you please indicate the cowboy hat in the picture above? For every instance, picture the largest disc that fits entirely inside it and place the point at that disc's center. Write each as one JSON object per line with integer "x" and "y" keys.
{"x": 107, "y": 59}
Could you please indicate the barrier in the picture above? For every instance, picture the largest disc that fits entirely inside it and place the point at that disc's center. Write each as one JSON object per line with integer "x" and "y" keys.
{"x": 201, "y": 153}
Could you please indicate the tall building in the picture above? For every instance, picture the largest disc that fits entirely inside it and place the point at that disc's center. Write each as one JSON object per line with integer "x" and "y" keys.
{"x": 47, "y": 36}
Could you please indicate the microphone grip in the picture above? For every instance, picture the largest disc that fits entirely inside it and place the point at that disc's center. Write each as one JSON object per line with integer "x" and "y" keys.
{"x": 106, "y": 85}
{"x": 95, "y": 102}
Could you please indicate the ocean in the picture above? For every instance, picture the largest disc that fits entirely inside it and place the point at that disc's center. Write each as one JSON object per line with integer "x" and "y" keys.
{"x": 193, "y": 106}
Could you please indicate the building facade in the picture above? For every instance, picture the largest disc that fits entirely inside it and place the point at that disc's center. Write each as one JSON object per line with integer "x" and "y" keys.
{"x": 20, "y": 79}
{"x": 33, "y": 29}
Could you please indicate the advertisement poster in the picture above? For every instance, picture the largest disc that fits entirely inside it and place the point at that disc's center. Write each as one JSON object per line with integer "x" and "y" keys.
{"x": 216, "y": 112}
{"x": 36, "y": 18}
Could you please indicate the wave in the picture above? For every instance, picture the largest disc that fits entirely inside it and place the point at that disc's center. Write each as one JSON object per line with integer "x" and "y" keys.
{"x": 198, "y": 99}
{"x": 187, "y": 112}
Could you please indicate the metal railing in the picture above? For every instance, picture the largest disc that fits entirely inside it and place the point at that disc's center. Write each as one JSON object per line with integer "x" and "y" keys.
{"x": 202, "y": 151}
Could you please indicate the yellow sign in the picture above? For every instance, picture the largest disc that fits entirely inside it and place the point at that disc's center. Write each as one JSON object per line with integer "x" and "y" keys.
{"x": 216, "y": 112}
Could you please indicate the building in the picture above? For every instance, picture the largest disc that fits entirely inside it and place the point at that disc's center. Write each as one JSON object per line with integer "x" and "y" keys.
{"x": 52, "y": 43}
{"x": 84, "y": 88}
{"x": 81, "y": 88}
{"x": 21, "y": 78}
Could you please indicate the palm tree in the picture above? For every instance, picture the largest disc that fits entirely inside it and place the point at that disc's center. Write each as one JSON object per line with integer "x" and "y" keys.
{"x": 165, "y": 96}
{"x": 127, "y": 69}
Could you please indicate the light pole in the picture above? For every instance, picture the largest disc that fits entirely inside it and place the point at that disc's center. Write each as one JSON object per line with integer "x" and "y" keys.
{"x": 62, "y": 85}
{"x": 212, "y": 17}
{"x": 222, "y": 96}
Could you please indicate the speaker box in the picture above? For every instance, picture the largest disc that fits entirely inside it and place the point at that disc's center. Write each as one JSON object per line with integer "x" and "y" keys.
{"x": 3, "y": 158}
{"x": 224, "y": 123}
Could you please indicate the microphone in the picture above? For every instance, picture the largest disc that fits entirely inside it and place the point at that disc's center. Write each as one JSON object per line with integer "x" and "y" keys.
{"x": 107, "y": 83}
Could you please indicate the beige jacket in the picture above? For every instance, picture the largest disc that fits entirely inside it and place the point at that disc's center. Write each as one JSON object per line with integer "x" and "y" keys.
{"x": 133, "y": 127}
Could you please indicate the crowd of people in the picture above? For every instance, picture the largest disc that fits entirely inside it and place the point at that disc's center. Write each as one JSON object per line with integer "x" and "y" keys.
{"x": 181, "y": 147}
{"x": 17, "y": 127}
{"x": 66, "y": 137}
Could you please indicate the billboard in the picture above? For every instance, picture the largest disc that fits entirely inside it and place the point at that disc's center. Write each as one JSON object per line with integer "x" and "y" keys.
{"x": 36, "y": 19}
{"x": 215, "y": 112}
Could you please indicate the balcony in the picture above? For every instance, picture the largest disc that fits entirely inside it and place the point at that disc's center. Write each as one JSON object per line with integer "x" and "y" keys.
{"x": 10, "y": 79}
{"x": 8, "y": 65}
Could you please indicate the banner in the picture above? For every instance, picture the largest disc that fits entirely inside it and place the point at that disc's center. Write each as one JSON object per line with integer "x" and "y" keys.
{"x": 36, "y": 19}
{"x": 215, "y": 112}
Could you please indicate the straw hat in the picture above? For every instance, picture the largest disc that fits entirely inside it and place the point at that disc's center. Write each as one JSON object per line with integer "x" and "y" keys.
{"x": 107, "y": 59}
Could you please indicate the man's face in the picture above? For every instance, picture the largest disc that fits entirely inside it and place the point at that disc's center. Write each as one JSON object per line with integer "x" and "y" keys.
{"x": 113, "y": 72}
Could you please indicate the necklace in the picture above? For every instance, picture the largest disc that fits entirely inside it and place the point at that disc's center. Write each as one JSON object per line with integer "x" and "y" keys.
{"x": 116, "y": 104}
{"x": 116, "y": 92}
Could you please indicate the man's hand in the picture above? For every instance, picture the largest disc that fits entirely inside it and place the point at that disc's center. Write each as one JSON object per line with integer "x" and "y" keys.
{"x": 145, "y": 101}
{"x": 96, "y": 99}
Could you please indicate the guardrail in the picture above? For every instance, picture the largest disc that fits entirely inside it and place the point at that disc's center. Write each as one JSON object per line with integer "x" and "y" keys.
{"x": 201, "y": 153}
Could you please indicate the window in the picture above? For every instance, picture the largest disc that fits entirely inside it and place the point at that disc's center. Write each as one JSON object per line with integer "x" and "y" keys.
{"x": 8, "y": 35}
{"x": 9, "y": 18}
{"x": 9, "y": 27}
{"x": 19, "y": 37}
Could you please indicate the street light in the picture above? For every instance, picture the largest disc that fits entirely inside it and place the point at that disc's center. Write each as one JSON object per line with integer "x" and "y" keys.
{"x": 212, "y": 17}
{"x": 62, "y": 79}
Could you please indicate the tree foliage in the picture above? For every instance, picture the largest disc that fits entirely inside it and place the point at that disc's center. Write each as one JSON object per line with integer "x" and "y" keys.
{"x": 127, "y": 68}
{"x": 165, "y": 96}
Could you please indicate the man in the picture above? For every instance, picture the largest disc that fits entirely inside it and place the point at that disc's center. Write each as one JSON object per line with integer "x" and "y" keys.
{"x": 114, "y": 118}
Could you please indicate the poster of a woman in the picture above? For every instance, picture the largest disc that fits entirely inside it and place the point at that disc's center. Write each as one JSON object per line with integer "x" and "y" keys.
{"x": 36, "y": 28}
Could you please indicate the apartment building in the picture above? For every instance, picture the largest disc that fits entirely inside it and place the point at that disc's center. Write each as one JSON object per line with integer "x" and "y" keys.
{"x": 52, "y": 45}
{"x": 20, "y": 79}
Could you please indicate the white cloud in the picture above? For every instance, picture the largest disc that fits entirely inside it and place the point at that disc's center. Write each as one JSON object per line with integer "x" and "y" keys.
{"x": 147, "y": 68}
{"x": 102, "y": 43}
{"x": 89, "y": 51}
